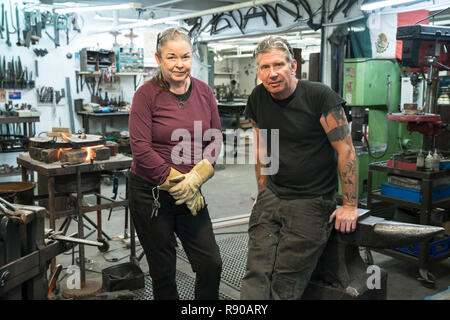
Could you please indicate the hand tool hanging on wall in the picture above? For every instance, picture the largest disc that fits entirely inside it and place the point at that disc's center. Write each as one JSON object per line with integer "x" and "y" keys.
{"x": 59, "y": 22}
{"x": 19, "y": 42}
{"x": 38, "y": 19}
{"x": 59, "y": 95}
{"x": 2, "y": 73}
{"x": 8, "y": 41}
{"x": 55, "y": 30}
{"x": 13, "y": 30}
{"x": 63, "y": 25}
{"x": 30, "y": 33}
{"x": 31, "y": 81}
{"x": 45, "y": 94}
{"x": 2, "y": 25}
{"x": 40, "y": 52}
{"x": 19, "y": 74}
{"x": 73, "y": 21}
{"x": 11, "y": 73}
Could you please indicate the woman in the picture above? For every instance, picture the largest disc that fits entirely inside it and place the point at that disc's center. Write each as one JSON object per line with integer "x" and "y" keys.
{"x": 166, "y": 174}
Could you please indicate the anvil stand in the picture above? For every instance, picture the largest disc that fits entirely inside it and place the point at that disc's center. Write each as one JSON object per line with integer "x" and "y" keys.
{"x": 87, "y": 288}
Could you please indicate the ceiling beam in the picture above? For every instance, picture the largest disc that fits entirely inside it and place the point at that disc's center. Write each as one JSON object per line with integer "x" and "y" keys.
{"x": 207, "y": 12}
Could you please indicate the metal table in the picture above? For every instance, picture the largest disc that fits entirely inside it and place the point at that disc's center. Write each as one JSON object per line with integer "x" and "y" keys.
{"x": 103, "y": 117}
{"x": 54, "y": 171}
{"x": 235, "y": 108}
{"x": 425, "y": 207}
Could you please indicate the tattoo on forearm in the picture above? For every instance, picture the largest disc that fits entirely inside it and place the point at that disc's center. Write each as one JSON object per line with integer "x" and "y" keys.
{"x": 349, "y": 182}
{"x": 338, "y": 133}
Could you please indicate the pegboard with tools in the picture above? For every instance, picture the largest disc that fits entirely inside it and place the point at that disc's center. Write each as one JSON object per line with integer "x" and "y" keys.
{"x": 15, "y": 76}
{"x": 48, "y": 95}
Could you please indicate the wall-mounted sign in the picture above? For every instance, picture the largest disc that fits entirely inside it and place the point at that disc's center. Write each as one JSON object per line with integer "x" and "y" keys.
{"x": 14, "y": 95}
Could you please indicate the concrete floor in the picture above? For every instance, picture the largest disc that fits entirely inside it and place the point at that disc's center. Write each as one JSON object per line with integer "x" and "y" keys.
{"x": 229, "y": 193}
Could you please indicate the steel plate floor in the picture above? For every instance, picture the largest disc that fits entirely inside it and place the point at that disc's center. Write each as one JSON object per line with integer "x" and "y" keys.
{"x": 185, "y": 286}
{"x": 233, "y": 251}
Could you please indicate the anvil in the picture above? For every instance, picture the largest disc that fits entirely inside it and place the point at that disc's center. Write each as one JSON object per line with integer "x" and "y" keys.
{"x": 341, "y": 273}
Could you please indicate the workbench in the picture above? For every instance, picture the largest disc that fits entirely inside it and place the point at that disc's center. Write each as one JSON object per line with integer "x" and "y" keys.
{"x": 102, "y": 117}
{"x": 11, "y": 136}
{"x": 424, "y": 206}
{"x": 60, "y": 182}
{"x": 27, "y": 123}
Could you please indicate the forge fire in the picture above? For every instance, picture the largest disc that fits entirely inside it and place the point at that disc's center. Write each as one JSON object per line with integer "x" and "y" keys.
{"x": 72, "y": 150}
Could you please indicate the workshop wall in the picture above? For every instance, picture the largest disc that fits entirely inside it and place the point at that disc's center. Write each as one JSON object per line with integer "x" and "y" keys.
{"x": 55, "y": 67}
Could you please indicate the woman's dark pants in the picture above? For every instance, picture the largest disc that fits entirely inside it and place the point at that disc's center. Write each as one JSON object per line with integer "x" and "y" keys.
{"x": 157, "y": 237}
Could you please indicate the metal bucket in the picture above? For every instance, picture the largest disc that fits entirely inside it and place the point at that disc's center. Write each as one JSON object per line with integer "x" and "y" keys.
{"x": 17, "y": 192}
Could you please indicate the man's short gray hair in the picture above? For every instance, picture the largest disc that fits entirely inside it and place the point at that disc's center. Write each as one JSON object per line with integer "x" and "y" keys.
{"x": 274, "y": 42}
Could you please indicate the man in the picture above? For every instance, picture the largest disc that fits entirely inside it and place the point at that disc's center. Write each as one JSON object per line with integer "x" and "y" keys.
{"x": 292, "y": 216}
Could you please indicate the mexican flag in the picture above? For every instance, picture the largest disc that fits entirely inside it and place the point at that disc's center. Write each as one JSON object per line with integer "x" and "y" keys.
{"x": 383, "y": 30}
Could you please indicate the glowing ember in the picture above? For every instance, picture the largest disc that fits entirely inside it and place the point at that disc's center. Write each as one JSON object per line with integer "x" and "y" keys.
{"x": 90, "y": 152}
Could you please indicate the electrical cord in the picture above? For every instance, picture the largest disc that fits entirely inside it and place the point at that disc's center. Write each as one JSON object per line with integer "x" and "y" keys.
{"x": 387, "y": 144}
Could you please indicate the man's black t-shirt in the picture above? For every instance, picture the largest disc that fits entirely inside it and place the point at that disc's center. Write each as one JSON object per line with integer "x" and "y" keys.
{"x": 307, "y": 161}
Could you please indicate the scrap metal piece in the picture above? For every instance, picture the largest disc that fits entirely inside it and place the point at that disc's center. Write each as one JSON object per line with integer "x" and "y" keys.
{"x": 60, "y": 237}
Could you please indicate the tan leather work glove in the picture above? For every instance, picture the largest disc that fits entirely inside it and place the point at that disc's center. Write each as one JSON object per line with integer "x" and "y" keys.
{"x": 187, "y": 185}
{"x": 196, "y": 204}
{"x": 167, "y": 184}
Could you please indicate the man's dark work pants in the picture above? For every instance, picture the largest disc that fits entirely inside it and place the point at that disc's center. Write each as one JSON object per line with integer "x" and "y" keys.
{"x": 286, "y": 239}
{"x": 157, "y": 237}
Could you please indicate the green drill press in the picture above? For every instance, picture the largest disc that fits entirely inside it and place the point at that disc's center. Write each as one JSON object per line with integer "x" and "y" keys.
{"x": 372, "y": 90}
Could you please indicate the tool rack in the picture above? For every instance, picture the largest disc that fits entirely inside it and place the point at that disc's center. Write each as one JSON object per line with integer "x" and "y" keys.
{"x": 8, "y": 141}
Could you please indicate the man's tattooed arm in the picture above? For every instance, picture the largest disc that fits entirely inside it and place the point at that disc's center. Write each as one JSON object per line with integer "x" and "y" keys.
{"x": 335, "y": 124}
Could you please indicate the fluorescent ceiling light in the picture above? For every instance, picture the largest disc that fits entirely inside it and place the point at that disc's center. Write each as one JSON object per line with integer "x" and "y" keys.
{"x": 130, "y": 5}
{"x": 249, "y": 55}
{"x": 98, "y": 17}
{"x": 368, "y": 6}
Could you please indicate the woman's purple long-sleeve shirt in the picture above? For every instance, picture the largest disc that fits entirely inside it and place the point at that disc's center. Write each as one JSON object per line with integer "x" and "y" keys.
{"x": 163, "y": 136}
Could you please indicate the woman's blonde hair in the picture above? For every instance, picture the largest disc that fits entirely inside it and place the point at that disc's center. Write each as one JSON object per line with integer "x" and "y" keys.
{"x": 174, "y": 33}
